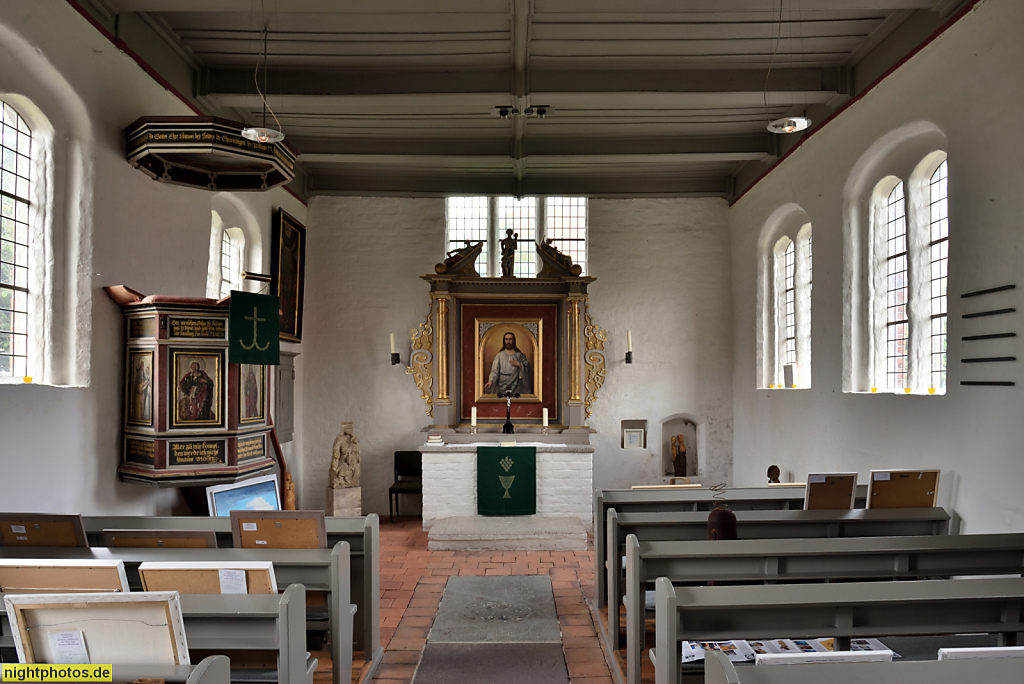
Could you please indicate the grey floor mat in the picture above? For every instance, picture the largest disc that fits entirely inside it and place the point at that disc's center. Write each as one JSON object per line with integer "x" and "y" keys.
{"x": 492, "y": 664}
{"x": 497, "y": 610}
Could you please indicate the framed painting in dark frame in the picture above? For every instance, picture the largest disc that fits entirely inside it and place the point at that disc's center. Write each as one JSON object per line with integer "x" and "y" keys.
{"x": 287, "y": 268}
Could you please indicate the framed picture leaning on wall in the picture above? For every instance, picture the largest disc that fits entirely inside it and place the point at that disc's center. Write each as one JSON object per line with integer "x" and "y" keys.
{"x": 633, "y": 438}
{"x": 287, "y": 269}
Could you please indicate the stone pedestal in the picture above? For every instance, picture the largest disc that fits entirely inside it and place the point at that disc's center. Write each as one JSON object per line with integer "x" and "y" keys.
{"x": 345, "y": 501}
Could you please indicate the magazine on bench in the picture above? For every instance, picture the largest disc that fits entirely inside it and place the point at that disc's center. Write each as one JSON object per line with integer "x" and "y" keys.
{"x": 739, "y": 650}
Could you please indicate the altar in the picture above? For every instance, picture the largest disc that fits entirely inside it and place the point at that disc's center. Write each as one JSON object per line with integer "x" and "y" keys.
{"x": 564, "y": 480}
{"x": 501, "y": 359}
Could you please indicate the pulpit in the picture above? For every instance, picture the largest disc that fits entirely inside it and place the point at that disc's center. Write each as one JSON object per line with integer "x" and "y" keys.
{"x": 190, "y": 417}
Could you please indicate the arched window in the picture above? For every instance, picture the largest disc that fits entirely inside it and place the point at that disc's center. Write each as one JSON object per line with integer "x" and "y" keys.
{"x": 232, "y": 247}
{"x": 46, "y": 185}
{"x": 938, "y": 249}
{"x": 785, "y": 305}
{"x": 235, "y": 246}
{"x": 784, "y": 349}
{"x": 895, "y": 267}
{"x": 893, "y": 263}
{"x": 904, "y": 284}
{"x": 15, "y": 203}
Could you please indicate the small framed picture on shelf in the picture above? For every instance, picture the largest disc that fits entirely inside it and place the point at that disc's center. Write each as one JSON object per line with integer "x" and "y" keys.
{"x": 633, "y": 438}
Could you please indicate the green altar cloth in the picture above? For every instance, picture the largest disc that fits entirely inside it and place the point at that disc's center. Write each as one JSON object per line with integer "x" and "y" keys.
{"x": 506, "y": 480}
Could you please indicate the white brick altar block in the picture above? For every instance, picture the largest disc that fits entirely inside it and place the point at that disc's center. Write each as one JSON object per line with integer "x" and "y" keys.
{"x": 565, "y": 480}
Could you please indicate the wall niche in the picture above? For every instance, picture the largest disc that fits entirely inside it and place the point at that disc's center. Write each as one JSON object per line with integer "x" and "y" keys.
{"x": 679, "y": 435}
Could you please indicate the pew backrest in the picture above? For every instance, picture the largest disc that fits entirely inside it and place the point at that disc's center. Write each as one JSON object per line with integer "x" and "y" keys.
{"x": 227, "y": 622}
{"x": 844, "y": 611}
{"x": 692, "y": 525}
{"x": 362, "y": 534}
{"x": 718, "y": 670}
{"x": 314, "y": 569}
{"x": 661, "y": 500}
{"x": 810, "y": 560}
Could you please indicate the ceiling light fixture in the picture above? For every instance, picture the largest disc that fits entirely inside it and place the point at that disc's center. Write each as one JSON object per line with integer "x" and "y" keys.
{"x": 263, "y": 134}
{"x": 789, "y": 124}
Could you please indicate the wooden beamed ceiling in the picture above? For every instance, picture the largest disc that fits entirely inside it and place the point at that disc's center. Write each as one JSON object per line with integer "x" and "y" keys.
{"x": 641, "y": 97}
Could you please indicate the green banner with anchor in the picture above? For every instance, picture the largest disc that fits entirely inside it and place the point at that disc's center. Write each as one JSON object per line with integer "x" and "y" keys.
{"x": 506, "y": 480}
{"x": 253, "y": 329}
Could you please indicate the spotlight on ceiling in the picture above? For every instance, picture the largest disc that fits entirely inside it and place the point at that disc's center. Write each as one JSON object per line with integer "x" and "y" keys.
{"x": 539, "y": 111}
{"x": 504, "y": 111}
{"x": 789, "y": 124}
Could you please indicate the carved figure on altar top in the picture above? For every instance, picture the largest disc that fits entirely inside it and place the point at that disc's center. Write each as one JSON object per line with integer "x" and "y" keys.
{"x": 345, "y": 459}
{"x": 508, "y": 253}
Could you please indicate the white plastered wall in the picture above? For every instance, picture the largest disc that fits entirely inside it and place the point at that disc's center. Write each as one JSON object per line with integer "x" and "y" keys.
{"x": 61, "y": 446}
{"x": 662, "y": 269}
{"x": 966, "y": 84}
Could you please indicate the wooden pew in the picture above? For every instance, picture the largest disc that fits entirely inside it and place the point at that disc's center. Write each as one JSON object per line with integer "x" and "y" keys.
{"x": 361, "y": 533}
{"x": 813, "y": 560}
{"x": 210, "y": 670}
{"x": 692, "y": 525}
{"x": 843, "y": 610}
{"x": 779, "y": 498}
{"x": 315, "y": 569}
{"x": 233, "y": 622}
{"x": 718, "y": 670}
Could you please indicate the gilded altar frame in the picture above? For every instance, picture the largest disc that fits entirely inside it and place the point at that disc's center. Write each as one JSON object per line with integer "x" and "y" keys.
{"x": 449, "y": 349}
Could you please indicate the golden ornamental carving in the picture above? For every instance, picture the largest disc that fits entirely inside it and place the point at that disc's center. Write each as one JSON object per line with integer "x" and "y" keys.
{"x": 595, "y": 337}
{"x": 421, "y": 362}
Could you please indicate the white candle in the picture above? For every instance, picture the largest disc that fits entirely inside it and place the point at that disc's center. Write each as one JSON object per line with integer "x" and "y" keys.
{"x": 472, "y": 416}
{"x": 629, "y": 340}
{"x": 392, "y": 343}
{"x": 545, "y": 417}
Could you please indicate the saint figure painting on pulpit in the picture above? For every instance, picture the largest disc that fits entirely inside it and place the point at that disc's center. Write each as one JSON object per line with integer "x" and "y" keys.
{"x": 198, "y": 399}
{"x": 251, "y": 384}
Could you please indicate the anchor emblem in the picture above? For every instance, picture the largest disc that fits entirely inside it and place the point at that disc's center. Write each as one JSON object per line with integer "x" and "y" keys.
{"x": 256, "y": 320}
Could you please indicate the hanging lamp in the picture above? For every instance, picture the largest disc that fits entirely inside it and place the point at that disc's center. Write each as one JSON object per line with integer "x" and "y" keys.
{"x": 787, "y": 124}
{"x": 263, "y": 134}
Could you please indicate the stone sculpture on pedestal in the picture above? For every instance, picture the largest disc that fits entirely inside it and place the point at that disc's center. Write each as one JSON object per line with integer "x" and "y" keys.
{"x": 344, "y": 495}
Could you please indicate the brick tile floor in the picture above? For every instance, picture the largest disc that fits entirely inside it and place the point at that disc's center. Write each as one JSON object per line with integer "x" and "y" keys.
{"x": 412, "y": 580}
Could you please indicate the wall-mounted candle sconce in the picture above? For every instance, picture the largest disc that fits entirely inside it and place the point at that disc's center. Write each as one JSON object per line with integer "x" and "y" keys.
{"x": 629, "y": 346}
{"x": 395, "y": 358}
